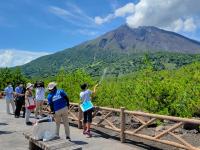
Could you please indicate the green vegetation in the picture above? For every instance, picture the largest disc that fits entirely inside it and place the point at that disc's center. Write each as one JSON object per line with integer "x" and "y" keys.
{"x": 118, "y": 63}
{"x": 171, "y": 90}
{"x": 11, "y": 75}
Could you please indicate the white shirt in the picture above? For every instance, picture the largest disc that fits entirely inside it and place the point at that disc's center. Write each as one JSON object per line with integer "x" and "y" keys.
{"x": 85, "y": 95}
{"x": 40, "y": 94}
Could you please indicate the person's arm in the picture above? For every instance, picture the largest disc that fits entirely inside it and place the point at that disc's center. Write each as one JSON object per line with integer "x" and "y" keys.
{"x": 94, "y": 90}
{"x": 50, "y": 103}
{"x": 64, "y": 95}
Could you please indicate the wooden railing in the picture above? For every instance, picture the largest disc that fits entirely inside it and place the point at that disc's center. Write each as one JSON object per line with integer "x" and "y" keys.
{"x": 120, "y": 120}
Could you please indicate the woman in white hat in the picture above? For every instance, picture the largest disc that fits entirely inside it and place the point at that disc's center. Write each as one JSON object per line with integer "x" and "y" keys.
{"x": 29, "y": 102}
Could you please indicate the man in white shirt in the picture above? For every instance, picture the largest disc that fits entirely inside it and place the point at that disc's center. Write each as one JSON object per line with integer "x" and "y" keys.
{"x": 9, "y": 98}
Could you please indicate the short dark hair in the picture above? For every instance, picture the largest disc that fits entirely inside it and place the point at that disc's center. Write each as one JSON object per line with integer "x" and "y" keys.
{"x": 84, "y": 86}
{"x": 39, "y": 84}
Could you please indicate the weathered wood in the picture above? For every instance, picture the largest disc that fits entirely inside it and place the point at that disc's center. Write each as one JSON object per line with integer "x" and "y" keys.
{"x": 144, "y": 125}
{"x": 122, "y": 125}
{"x": 110, "y": 109}
{"x": 158, "y": 140}
{"x": 169, "y": 130}
{"x": 74, "y": 116}
{"x": 154, "y": 117}
{"x": 80, "y": 114}
{"x": 163, "y": 117}
{"x": 96, "y": 111}
{"x": 49, "y": 145}
{"x": 182, "y": 141}
{"x": 106, "y": 116}
{"x": 140, "y": 120}
{"x": 106, "y": 126}
{"x": 111, "y": 124}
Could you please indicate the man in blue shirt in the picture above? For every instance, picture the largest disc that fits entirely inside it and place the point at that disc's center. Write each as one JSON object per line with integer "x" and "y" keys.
{"x": 59, "y": 103}
{"x": 9, "y": 98}
{"x": 19, "y": 94}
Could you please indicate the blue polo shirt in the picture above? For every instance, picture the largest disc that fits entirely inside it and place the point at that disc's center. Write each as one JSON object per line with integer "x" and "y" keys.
{"x": 57, "y": 99}
{"x": 19, "y": 90}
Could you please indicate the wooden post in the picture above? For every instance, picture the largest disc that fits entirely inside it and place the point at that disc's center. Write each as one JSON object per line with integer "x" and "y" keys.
{"x": 79, "y": 118}
{"x": 122, "y": 125}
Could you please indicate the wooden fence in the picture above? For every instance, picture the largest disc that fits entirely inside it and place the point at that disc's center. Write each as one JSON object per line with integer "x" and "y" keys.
{"x": 123, "y": 121}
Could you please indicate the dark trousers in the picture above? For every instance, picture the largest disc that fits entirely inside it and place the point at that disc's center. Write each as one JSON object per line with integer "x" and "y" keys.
{"x": 87, "y": 116}
{"x": 19, "y": 103}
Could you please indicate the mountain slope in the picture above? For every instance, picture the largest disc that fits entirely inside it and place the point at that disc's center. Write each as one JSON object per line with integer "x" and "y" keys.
{"x": 121, "y": 49}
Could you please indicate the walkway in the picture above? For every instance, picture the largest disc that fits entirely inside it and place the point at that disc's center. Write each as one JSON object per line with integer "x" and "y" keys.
{"x": 11, "y": 137}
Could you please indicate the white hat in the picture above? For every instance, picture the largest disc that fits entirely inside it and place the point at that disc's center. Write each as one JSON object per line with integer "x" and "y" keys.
{"x": 29, "y": 85}
{"x": 51, "y": 85}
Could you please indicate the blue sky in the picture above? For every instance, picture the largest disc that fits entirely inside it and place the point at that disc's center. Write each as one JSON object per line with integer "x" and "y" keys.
{"x": 32, "y": 28}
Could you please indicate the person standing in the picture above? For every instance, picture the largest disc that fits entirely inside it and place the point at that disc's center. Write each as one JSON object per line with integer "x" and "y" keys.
{"x": 9, "y": 96}
{"x": 29, "y": 102}
{"x": 59, "y": 104}
{"x": 19, "y": 99}
{"x": 85, "y": 96}
{"x": 39, "y": 97}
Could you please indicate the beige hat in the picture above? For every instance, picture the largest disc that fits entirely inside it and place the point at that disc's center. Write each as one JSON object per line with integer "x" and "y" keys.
{"x": 51, "y": 85}
{"x": 29, "y": 85}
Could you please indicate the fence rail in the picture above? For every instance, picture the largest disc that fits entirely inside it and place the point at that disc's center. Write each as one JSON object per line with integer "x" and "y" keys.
{"x": 118, "y": 120}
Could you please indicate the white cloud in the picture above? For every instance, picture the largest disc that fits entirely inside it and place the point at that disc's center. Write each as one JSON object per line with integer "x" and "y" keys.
{"x": 120, "y": 12}
{"x": 127, "y": 9}
{"x": 175, "y": 15}
{"x": 13, "y": 57}
{"x": 99, "y": 20}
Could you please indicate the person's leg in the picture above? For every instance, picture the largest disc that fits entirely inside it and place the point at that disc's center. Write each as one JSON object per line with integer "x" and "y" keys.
{"x": 37, "y": 109}
{"x": 20, "y": 106}
{"x": 24, "y": 111}
{"x": 13, "y": 105}
{"x": 84, "y": 122}
{"x": 57, "y": 117}
{"x": 7, "y": 106}
{"x": 89, "y": 121}
{"x": 66, "y": 121}
{"x": 17, "y": 108}
{"x": 40, "y": 108}
{"x": 27, "y": 116}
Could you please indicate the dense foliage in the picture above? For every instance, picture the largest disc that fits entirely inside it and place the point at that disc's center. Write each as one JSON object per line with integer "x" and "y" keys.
{"x": 13, "y": 76}
{"x": 94, "y": 62}
{"x": 171, "y": 92}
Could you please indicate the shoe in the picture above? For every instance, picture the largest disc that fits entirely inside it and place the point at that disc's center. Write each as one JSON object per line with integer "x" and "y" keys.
{"x": 23, "y": 116}
{"x": 68, "y": 138}
{"x": 84, "y": 132}
{"x": 88, "y": 134}
{"x": 29, "y": 123}
{"x": 16, "y": 116}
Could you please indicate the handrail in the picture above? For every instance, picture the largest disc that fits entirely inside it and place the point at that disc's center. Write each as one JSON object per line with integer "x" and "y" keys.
{"x": 105, "y": 120}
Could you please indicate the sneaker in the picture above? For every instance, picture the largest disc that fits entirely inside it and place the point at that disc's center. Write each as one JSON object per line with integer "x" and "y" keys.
{"x": 29, "y": 123}
{"x": 88, "y": 134}
{"x": 68, "y": 138}
{"x": 84, "y": 132}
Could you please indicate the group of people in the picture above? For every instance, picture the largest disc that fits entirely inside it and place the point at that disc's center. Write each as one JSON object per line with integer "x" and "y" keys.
{"x": 23, "y": 98}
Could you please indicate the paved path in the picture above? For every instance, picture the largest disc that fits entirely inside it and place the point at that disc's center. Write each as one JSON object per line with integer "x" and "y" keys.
{"x": 11, "y": 137}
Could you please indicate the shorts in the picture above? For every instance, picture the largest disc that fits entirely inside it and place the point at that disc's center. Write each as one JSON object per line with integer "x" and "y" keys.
{"x": 87, "y": 116}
